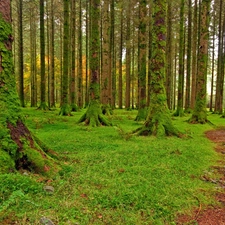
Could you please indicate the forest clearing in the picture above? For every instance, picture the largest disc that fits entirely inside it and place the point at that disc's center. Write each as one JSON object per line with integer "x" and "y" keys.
{"x": 112, "y": 112}
{"x": 111, "y": 177}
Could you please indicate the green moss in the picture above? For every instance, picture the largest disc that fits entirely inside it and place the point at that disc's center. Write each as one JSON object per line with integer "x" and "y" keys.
{"x": 6, "y": 162}
{"x": 65, "y": 110}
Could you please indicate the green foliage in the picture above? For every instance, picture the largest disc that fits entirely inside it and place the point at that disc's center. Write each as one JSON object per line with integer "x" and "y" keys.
{"x": 112, "y": 179}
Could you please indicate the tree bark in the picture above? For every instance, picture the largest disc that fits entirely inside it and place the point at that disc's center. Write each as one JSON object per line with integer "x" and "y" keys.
{"x": 199, "y": 114}
{"x": 158, "y": 121}
{"x": 93, "y": 115}
{"x": 19, "y": 149}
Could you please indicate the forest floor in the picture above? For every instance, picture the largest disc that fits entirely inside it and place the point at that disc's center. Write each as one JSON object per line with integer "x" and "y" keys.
{"x": 213, "y": 215}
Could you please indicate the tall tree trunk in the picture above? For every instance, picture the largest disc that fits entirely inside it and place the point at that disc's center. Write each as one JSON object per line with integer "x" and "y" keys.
{"x": 120, "y": 87}
{"x": 128, "y": 56}
{"x": 199, "y": 114}
{"x": 158, "y": 121}
{"x": 219, "y": 80}
{"x": 213, "y": 61}
{"x": 93, "y": 115}
{"x": 65, "y": 108}
{"x": 43, "y": 105}
{"x": 20, "y": 52}
{"x": 52, "y": 56}
{"x": 188, "y": 75}
{"x": 33, "y": 67}
{"x": 105, "y": 75}
{"x": 74, "y": 106}
{"x": 80, "y": 60}
{"x": 87, "y": 55}
{"x": 169, "y": 58}
{"x": 113, "y": 52}
{"x": 142, "y": 64}
{"x": 18, "y": 147}
{"x": 180, "y": 110}
{"x": 194, "y": 55}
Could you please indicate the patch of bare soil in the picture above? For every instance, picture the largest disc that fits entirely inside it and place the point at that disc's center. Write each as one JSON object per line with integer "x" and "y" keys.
{"x": 213, "y": 215}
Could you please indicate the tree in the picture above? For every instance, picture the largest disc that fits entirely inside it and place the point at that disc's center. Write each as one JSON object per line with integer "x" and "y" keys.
{"x": 20, "y": 58}
{"x": 106, "y": 87}
{"x": 42, "y": 50}
{"x": 93, "y": 115}
{"x": 194, "y": 54}
{"x": 158, "y": 121}
{"x": 65, "y": 108}
{"x": 142, "y": 108}
{"x": 19, "y": 149}
{"x": 199, "y": 114}
{"x": 180, "y": 110}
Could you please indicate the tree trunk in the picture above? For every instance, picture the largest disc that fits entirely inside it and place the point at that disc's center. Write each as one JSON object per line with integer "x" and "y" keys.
{"x": 52, "y": 57}
{"x": 80, "y": 60}
{"x": 20, "y": 52}
{"x": 188, "y": 75}
{"x": 18, "y": 147}
{"x": 128, "y": 56}
{"x": 74, "y": 106}
{"x": 43, "y": 105}
{"x": 65, "y": 108}
{"x": 142, "y": 46}
{"x": 93, "y": 115}
{"x": 120, "y": 87}
{"x": 106, "y": 76}
{"x": 33, "y": 67}
{"x": 180, "y": 110}
{"x": 158, "y": 121}
{"x": 194, "y": 55}
{"x": 199, "y": 114}
{"x": 220, "y": 77}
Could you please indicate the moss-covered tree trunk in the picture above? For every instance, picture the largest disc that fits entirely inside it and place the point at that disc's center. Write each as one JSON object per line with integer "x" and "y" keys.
{"x": 65, "y": 107}
{"x": 128, "y": 55}
{"x": 194, "y": 55}
{"x": 18, "y": 148}
{"x": 74, "y": 106}
{"x": 188, "y": 74}
{"x": 199, "y": 114}
{"x": 180, "y": 102}
{"x": 158, "y": 121}
{"x": 33, "y": 53}
{"x": 169, "y": 58}
{"x": 20, "y": 52}
{"x": 80, "y": 101}
{"x": 93, "y": 115}
{"x": 106, "y": 84}
{"x": 52, "y": 56}
{"x": 43, "y": 104}
{"x": 142, "y": 46}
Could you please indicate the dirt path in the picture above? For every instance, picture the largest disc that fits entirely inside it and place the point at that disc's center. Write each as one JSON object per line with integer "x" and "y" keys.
{"x": 211, "y": 215}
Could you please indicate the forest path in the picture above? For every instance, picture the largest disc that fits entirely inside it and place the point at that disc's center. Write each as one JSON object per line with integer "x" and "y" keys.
{"x": 213, "y": 215}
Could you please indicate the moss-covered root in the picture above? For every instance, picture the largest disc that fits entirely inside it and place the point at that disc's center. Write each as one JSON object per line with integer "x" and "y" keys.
{"x": 43, "y": 106}
{"x": 94, "y": 116}
{"x": 142, "y": 114}
{"x": 74, "y": 108}
{"x": 107, "y": 110}
{"x": 179, "y": 112}
{"x": 157, "y": 129}
{"x": 200, "y": 118}
{"x": 158, "y": 125}
{"x": 26, "y": 153}
{"x": 65, "y": 110}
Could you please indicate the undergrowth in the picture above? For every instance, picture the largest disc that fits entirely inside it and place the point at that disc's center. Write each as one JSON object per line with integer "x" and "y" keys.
{"x": 110, "y": 177}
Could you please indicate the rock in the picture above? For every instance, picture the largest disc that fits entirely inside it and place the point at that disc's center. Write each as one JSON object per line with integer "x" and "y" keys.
{"x": 46, "y": 221}
{"x": 49, "y": 188}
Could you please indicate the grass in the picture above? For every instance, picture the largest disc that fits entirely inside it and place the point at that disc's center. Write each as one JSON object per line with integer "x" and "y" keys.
{"x": 109, "y": 177}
